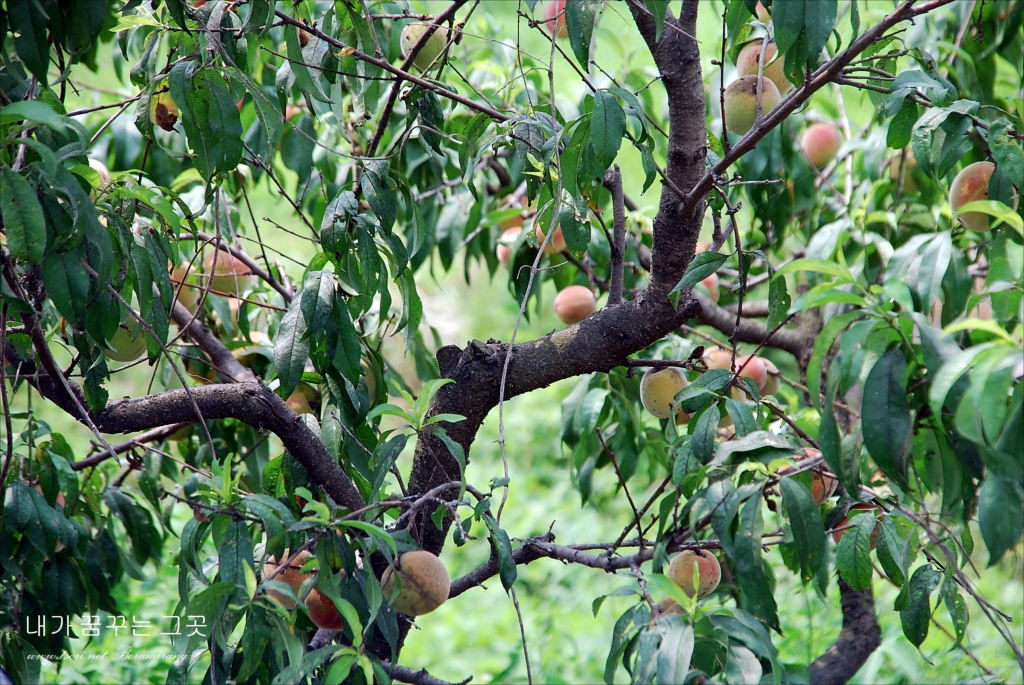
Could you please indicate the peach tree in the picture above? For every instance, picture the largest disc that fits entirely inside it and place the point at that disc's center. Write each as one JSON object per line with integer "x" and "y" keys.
{"x": 844, "y": 333}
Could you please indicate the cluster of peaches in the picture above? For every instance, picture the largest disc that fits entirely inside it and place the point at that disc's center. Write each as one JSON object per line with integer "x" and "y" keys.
{"x": 416, "y": 584}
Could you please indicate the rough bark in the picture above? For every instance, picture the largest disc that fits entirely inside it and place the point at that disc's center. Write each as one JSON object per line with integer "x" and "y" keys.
{"x": 859, "y": 637}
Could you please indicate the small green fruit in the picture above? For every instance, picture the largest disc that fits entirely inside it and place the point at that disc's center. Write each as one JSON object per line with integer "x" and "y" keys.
{"x": 430, "y": 54}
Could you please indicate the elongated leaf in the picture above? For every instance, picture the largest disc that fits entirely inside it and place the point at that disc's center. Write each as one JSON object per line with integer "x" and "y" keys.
{"x": 291, "y": 349}
{"x": 779, "y": 302}
{"x": 853, "y": 557}
{"x": 806, "y": 524}
{"x": 1000, "y": 515}
{"x": 705, "y": 430}
{"x": 901, "y": 127}
{"x": 915, "y": 618}
{"x": 822, "y": 346}
{"x": 742, "y": 417}
{"x": 503, "y": 547}
{"x": 885, "y": 415}
{"x": 675, "y": 651}
{"x": 702, "y": 266}
{"x": 607, "y": 126}
{"x": 22, "y": 217}
{"x": 750, "y": 563}
{"x": 957, "y": 607}
{"x": 32, "y": 45}
{"x": 579, "y": 22}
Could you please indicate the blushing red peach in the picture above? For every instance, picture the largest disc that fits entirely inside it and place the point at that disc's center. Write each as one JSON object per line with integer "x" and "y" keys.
{"x": 820, "y": 143}
{"x": 575, "y": 303}
{"x": 680, "y": 572}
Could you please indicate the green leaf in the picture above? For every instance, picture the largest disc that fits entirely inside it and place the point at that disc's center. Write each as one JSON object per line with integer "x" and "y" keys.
{"x": 806, "y": 524}
{"x": 705, "y": 430}
{"x": 853, "y": 557}
{"x": 607, "y": 126}
{"x": 822, "y": 347}
{"x": 579, "y": 22}
{"x": 1000, "y": 515}
{"x": 916, "y": 616}
{"x": 675, "y": 650}
{"x": 235, "y": 553}
{"x": 1007, "y": 151}
{"x": 36, "y": 112}
{"x": 213, "y": 127}
{"x": 291, "y": 349}
{"x": 702, "y": 266}
{"x": 742, "y": 417}
{"x": 750, "y": 565}
{"x": 901, "y": 127}
{"x": 307, "y": 83}
{"x": 885, "y": 415}
{"x": 957, "y": 607}
{"x": 845, "y": 465}
{"x": 779, "y": 302}
{"x": 892, "y": 551}
{"x": 657, "y": 8}
{"x": 32, "y": 46}
{"x": 788, "y": 18}
{"x": 22, "y": 217}
{"x": 503, "y": 547}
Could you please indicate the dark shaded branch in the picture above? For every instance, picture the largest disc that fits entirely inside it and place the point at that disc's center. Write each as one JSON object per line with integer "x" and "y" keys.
{"x": 859, "y": 637}
{"x": 522, "y": 555}
{"x": 797, "y": 341}
{"x": 613, "y": 179}
{"x": 405, "y": 674}
{"x": 154, "y": 435}
{"x": 219, "y": 355}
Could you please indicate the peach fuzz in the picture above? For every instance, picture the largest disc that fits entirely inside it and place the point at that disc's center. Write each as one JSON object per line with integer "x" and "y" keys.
{"x": 820, "y": 143}
{"x": 574, "y": 304}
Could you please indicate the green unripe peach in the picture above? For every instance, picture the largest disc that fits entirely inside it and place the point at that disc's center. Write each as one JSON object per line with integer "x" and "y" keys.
{"x": 128, "y": 343}
{"x": 820, "y": 143}
{"x": 741, "y": 102}
{"x": 430, "y": 54}
{"x": 680, "y": 572}
{"x": 658, "y": 390}
{"x": 424, "y": 583}
{"x": 575, "y": 303}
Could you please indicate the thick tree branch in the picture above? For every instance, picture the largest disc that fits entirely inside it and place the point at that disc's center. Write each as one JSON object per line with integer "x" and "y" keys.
{"x": 859, "y": 637}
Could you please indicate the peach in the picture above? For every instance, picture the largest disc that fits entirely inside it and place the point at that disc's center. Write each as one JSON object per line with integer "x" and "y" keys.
{"x": 838, "y": 535}
{"x": 748, "y": 63}
{"x": 424, "y": 583}
{"x": 771, "y": 386}
{"x": 763, "y": 15}
{"x": 823, "y": 483}
{"x": 755, "y": 370}
{"x": 248, "y": 355}
{"x": 101, "y": 169}
{"x": 711, "y": 284}
{"x": 556, "y": 244}
{"x": 128, "y": 343}
{"x": 658, "y": 390}
{"x": 302, "y": 398}
{"x": 505, "y": 242}
{"x": 820, "y": 143}
{"x": 670, "y": 606}
{"x": 970, "y": 185}
{"x": 292, "y": 575}
{"x": 574, "y": 304}
{"x": 322, "y": 611}
{"x": 431, "y": 53}
{"x": 186, "y": 294}
{"x": 741, "y": 102}
{"x": 718, "y": 358}
{"x": 554, "y": 11}
{"x": 909, "y": 184}
{"x": 680, "y": 572}
{"x": 229, "y": 275}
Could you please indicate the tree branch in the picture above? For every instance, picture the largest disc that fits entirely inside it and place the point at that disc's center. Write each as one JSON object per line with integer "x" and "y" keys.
{"x": 613, "y": 179}
{"x": 859, "y": 637}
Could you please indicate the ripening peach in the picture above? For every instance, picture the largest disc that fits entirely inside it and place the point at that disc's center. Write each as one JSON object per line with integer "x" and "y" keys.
{"x": 430, "y": 54}
{"x": 823, "y": 483}
{"x": 838, "y": 535}
{"x": 748, "y": 64}
{"x": 971, "y": 185}
{"x": 820, "y": 143}
{"x": 680, "y": 572}
{"x": 229, "y": 275}
{"x": 658, "y": 390}
{"x": 185, "y": 293}
{"x": 424, "y": 583}
{"x": 101, "y": 169}
{"x": 741, "y": 102}
{"x": 763, "y": 15}
{"x": 711, "y": 285}
{"x": 322, "y": 611}
{"x": 292, "y": 576}
{"x": 554, "y": 11}
{"x": 755, "y": 370}
{"x": 718, "y": 358}
{"x": 556, "y": 244}
{"x": 505, "y": 242}
{"x": 771, "y": 386}
{"x": 574, "y": 304}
